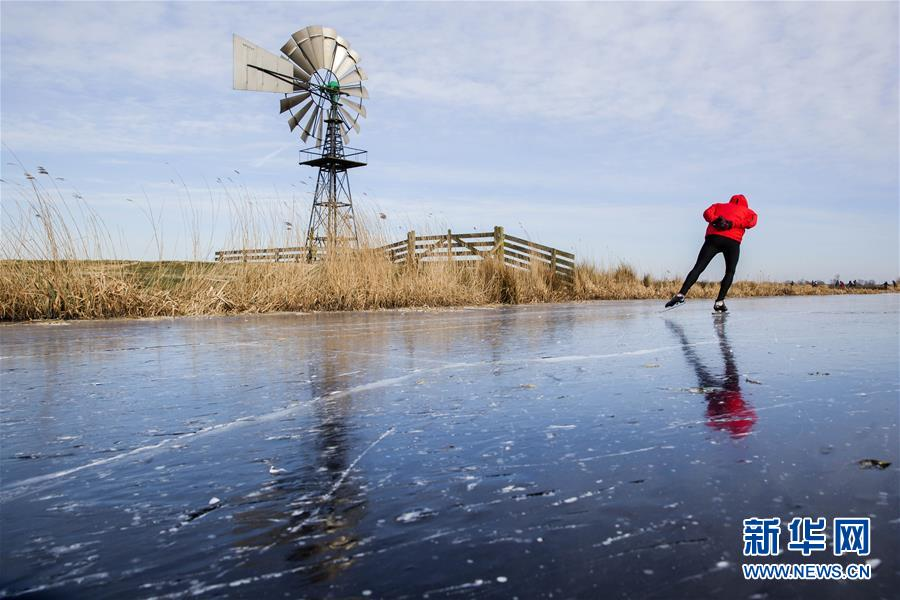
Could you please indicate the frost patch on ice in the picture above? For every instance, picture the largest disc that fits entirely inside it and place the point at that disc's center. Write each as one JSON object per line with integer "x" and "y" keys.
{"x": 617, "y": 538}
{"x": 58, "y": 551}
{"x": 415, "y": 515}
{"x": 455, "y": 588}
{"x": 511, "y": 488}
{"x": 625, "y": 453}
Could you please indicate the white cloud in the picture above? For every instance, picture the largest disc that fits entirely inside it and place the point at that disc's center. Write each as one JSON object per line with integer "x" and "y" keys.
{"x": 799, "y": 73}
{"x": 766, "y": 72}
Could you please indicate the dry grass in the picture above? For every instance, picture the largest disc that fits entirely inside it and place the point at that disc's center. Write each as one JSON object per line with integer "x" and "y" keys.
{"x": 52, "y": 266}
{"x": 348, "y": 281}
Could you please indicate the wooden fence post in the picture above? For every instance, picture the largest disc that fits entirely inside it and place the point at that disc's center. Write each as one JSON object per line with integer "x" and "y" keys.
{"x": 553, "y": 262}
{"x": 411, "y": 248}
{"x": 449, "y": 246}
{"x": 499, "y": 241}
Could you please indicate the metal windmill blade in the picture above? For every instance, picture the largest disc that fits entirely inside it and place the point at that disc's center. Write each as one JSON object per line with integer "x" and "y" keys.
{"x": 356, "y": 75}
{"x": 329, "y": 44}
{"x": 290, "y": 102}
{"x": 311, "y": 125}
{"x": 350, "y": 112}
{"x": 349, "y": 63}
{"x": 305, "y": 100}
{"x": 355, "y": 90}
{"x": 341, "y": 51}
{"x": 355, "y": 106}
{"x": 293, "y": 52}
{"x": 295, "y": 119}
{"x": 319, "y": 137}
{"x": 302, "y": 41}
{"x": 349, "y": 119}
{"x": 316, "y": 42}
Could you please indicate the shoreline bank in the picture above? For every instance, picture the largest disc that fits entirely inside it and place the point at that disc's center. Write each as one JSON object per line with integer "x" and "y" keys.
{"x": 91, "y": 290}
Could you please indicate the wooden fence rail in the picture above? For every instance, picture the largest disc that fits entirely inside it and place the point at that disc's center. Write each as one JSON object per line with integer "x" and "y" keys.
{"x": 290, "y": 254}
{"x": 513, "y": 251}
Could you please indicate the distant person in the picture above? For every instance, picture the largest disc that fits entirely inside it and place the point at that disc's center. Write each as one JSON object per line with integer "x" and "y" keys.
{"x": 727, "y": 223}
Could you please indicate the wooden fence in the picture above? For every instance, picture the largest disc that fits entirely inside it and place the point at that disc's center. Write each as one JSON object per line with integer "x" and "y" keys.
{"x": 291, "y": 254}
{"x": 513, "y": 251}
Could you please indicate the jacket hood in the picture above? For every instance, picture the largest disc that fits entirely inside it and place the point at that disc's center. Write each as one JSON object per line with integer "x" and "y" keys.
{"x": 739, "y": 199}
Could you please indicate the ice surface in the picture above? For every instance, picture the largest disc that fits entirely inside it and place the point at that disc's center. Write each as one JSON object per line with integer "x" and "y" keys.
{"x": 579, "y": 450}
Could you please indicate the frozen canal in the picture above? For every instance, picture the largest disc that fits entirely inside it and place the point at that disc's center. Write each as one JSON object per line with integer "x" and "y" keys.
{"x": 582, "y": 450}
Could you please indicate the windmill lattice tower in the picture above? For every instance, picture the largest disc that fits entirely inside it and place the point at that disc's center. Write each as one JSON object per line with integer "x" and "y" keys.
{"x": 318, "y": 75}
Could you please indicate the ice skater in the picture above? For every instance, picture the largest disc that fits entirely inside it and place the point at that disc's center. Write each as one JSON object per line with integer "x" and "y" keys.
{"x": 727, "y": 223}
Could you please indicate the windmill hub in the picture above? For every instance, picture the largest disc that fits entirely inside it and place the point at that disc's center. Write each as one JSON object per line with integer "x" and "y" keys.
{"x": 318, "y": 74}
{"x": 335, "y": 88}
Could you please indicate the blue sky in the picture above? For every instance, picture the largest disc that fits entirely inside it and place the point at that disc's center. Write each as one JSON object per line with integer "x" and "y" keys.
{"x": 603, "y": 128}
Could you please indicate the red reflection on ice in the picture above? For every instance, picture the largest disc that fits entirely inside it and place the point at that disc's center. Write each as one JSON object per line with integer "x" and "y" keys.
{"x": 726, "y": 410}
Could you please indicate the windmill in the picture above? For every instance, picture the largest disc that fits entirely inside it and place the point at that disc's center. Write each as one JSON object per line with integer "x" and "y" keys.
{"x": 321, "y": 80}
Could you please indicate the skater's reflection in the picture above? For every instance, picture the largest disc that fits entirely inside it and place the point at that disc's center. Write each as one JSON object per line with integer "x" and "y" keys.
{"x": 726, "y": 409}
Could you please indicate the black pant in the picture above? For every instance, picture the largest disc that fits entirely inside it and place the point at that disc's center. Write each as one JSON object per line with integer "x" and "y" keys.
{"x": 714, "y": 244}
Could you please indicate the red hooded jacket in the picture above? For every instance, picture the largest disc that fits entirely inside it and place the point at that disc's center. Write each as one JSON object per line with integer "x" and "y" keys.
{"x": 737, "y": 211}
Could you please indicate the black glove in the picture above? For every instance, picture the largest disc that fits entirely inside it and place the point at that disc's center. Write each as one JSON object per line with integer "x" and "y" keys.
{"x": 721, "y": 224}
